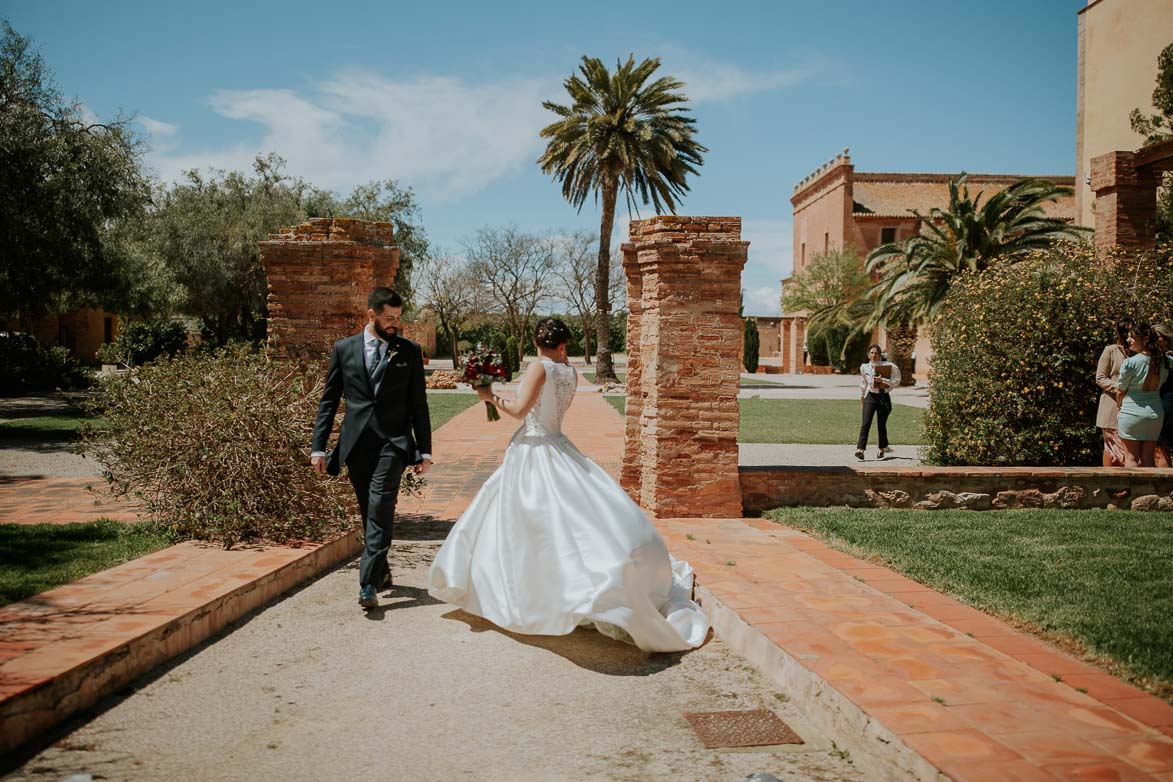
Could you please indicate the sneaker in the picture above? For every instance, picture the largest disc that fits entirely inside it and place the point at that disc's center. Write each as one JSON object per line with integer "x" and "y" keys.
{"x": 367, "y": 598}
{"x": 859, "y": 454}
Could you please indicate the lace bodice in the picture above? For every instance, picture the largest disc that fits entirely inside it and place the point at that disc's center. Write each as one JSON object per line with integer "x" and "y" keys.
{"x": 545, "y": 417}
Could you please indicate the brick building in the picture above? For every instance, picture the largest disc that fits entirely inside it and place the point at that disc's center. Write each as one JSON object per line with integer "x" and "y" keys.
{"x": 1119, "y": 43}
{"x": 83, "y": 331}
{"x": 838, "y": 207}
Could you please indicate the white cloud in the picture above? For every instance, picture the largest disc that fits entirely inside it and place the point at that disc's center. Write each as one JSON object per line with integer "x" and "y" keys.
{"x": 706, "y": 79}
{"x": 771, "y": 259}
{"x": 448, "y": 137}
{"x": 444, "y": 136}
{"x": 158, "y": 128}
{"x": 763, "y": 301}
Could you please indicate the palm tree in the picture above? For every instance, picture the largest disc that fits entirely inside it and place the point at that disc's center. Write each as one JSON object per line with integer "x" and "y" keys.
{"x": 969, "y": 236}
{"x": 620, "y": 132}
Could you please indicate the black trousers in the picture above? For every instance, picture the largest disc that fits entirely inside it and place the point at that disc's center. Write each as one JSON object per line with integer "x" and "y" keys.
{"x": 874, "y": 404}
{"x": 375, "y": 469}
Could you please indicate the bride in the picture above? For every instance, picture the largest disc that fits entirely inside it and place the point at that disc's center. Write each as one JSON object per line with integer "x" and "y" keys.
{"x": 551, "y": 542}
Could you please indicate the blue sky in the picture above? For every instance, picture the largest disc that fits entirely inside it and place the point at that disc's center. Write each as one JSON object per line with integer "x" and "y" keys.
{"x": 446, "y": 96}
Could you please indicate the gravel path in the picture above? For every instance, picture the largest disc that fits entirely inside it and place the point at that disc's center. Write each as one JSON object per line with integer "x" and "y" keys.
{"x": 309, "y": 689}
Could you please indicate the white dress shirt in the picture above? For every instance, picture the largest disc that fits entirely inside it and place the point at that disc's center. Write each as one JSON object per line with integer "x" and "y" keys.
{"x": 371, "y": 340}
{"x": 867, "y": 378}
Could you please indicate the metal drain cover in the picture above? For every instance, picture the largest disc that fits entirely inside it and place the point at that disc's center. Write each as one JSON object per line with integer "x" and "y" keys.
{"x": 756, "y": 728}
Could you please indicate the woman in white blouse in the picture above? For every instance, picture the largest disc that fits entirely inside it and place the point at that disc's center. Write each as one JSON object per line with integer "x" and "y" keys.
{"x": 877, "y": 376}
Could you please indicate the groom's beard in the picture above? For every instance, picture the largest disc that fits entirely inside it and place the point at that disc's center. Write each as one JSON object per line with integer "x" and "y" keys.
{"x": 384, "y": 334}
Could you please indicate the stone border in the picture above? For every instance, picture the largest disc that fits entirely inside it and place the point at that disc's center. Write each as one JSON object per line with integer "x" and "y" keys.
{"x": 34, "y": 710}
{"x": 878, "y": 752}
{"x": 971, "y": 488}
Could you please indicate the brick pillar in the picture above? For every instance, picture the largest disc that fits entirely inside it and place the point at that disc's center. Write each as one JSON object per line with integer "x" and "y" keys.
{"x": 684, "y": 282}
{"x": 786, "y": 350}
{"x": 1126, "y": 202}
{"x": 800, "y": 344}
{"x": 630, "y": 474}
{"x": 319, "y": 276}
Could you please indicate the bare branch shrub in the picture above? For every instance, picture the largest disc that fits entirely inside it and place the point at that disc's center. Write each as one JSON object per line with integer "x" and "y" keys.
{"x": 215, "y": 447}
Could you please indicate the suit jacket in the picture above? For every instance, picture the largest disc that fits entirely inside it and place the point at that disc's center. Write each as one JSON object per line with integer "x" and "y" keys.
{"x": 398, "y": 412}
{"x": 1107, "y": 372}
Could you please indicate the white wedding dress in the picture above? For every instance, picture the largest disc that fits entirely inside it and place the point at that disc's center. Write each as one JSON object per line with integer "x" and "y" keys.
{"x": 551, "y": 543}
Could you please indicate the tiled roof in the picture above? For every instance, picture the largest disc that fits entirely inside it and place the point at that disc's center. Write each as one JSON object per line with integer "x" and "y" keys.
{"x": 892, "y": 195}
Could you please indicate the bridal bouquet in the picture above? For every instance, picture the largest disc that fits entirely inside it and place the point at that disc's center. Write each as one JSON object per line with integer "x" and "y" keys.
{"x": 484, "y": 369}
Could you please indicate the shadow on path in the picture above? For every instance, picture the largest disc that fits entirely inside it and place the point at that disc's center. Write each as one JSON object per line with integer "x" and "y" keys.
{"x": 585, "y": 648}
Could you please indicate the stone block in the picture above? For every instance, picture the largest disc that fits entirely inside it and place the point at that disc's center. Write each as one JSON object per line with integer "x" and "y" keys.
{"x": 937, "y": 501}
{"x": 973, "y": 500}
{"x": 1147, "y": 502}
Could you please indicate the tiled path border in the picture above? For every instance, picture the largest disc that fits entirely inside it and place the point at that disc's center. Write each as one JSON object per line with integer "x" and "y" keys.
{"x": 60, "y": 501}
{"x": 869, "y": 652}
{"x": 65, "y": 650}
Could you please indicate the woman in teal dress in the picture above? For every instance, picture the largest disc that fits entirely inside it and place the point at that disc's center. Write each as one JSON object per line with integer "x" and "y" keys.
{"x": 1138, "y": 389}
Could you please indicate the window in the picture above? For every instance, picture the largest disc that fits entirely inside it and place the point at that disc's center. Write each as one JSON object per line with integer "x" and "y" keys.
{"x": 802, "y": 257}
{"x": 826, "y": 241}
{"x": 108, "y": 329}
{"x": 887, "y": 235}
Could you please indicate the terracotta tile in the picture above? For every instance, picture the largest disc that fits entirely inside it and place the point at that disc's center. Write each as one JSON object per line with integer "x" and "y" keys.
{"x": 923, "y": 717}
{"x": 960, "y": 690}
{"x": 1057, "y": 664}
{"x": 1151, "y": 753}
{"x": 1146, "y": 709}
{"x": 1001, "y": 771}
{"x": 1054, "y": 747}
{"x": 1106, "y": 771}
{"x": 959, "y": 748}
{"x": 1017, "y": 644}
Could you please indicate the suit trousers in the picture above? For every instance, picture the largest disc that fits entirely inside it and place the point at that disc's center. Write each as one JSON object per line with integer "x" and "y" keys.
{"x": 878, "y": 406}
{"x": 375, "y": 468}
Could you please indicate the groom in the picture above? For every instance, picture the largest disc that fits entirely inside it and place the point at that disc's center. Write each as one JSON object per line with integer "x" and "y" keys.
{"x": 386, "y": 427}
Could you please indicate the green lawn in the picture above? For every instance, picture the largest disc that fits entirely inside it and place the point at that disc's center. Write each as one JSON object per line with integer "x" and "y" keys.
{"x": 37, "y": 557}
{"x": 1102, "y": 581}
{"x": 65, "y": 427}
{"x": 42, "y": 427}
{"x": 443, "y": 406}
{"x": 618, "y": 402}
{"x": 820, "y": 421}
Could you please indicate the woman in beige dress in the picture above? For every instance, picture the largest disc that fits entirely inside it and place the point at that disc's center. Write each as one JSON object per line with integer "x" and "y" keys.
{"x": 1107, "y": 373}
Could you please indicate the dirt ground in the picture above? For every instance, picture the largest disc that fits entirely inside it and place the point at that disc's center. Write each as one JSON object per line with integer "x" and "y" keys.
{"x": 310, "y": 688}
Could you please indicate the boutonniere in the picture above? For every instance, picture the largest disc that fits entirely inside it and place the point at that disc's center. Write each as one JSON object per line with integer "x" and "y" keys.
{"x": 392, "y": 352}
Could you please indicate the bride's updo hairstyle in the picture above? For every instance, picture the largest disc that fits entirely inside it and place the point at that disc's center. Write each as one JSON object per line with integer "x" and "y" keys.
{"x": 551, "y": 333}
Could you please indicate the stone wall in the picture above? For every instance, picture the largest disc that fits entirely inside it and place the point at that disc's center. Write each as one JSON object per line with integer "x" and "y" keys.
{"x": 973, "y": 488}
{"x": 684, "y": 339}
{"x": 319, "y": 274}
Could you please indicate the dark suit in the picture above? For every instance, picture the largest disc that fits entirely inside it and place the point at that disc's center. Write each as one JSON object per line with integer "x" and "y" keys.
{"x": 381, "y": 434}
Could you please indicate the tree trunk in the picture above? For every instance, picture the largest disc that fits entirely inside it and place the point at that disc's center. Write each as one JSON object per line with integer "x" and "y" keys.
{"x": 604, "y": 370}
{"x": 452, "y": 345}
{"x": 901, "y": 343}
{"x": 586, "y": 338}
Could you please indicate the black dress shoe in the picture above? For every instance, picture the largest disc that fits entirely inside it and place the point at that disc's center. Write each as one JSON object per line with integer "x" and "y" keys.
{"x": 367, "y": 598}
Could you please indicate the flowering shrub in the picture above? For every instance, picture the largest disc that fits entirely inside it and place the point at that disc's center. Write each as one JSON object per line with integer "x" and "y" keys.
{"x": 216, "y": 447}
{"x": 1015, "y": 351}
